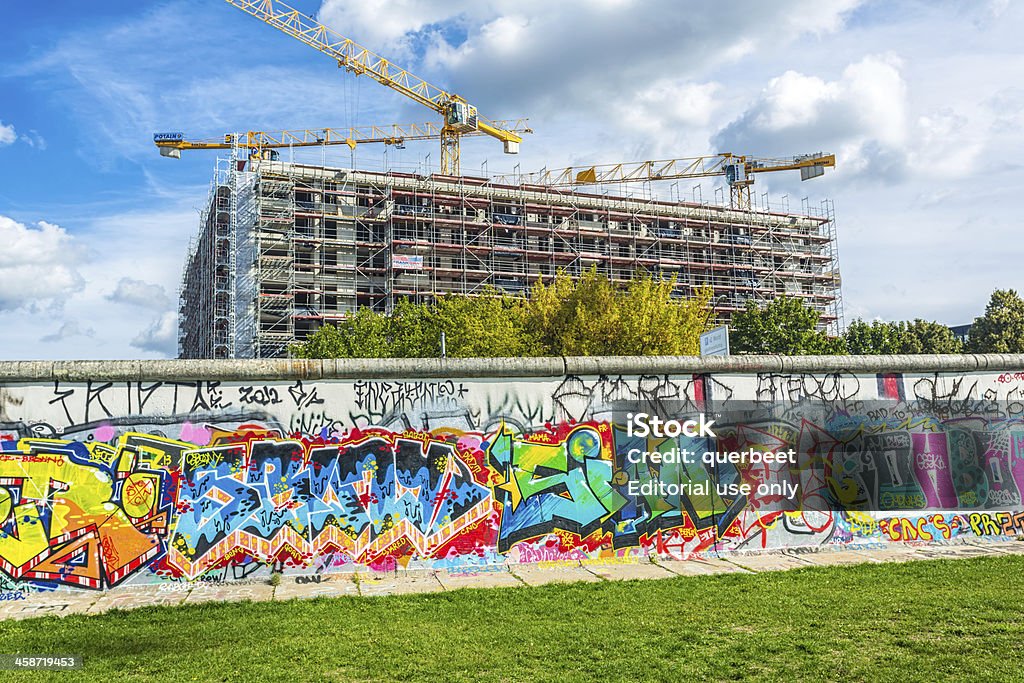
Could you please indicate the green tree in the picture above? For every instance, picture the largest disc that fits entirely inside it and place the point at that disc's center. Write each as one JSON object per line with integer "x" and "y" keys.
{"x": 592, "y": 317}
{"x": 489, "y": 324}
{"x": 919, "y": 336}
{"x": 364, "y": 334}
{"x": 784, "y": 326}
{"x": 655, "y": 323}
{"x": 414, "y": 331}
{"x": 933, "y": 337}
{"x": 326, "y": 342}
{"x": 585, "y": 317}
{"x": 574, "y": 318}
{"x": 876, "y": 338}
{"x": 1001, "y": 329}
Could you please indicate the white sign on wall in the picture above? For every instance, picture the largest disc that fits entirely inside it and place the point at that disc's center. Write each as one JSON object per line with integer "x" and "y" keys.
{"x": 715, "y": 342}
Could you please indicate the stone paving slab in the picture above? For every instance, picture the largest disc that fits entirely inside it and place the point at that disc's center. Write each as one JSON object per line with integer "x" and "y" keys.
{"x": 1007, "y": 548}
{"x": 478, "y": 579}
{"x": 629, "y": 571}
{"x": 426, "y": 581}
{"x": 255, "y": 591}
{"x": 995, "y": 548}
{"x": 893, "y": 555}
{"x": 835, "y": 558}
{"x": 952, "y": 551}
{"x": 700, "y": 567}
{"x": 49, "y": 606}
{"x": 541, "y": 574}
{"x": 399, "y": 585}
{"x": 768, "y": 562}
{"x": 316, "y": 587}
{"x": 131, "y": 597}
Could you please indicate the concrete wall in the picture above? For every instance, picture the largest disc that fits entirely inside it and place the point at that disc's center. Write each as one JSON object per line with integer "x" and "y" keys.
{"x": 114, "y": 473}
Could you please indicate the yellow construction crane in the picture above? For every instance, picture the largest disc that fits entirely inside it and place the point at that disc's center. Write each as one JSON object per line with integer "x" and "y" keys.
{"x": 259, "y": 142}
{"x": 460, "y": 117}
{"x": 739, "y": 172}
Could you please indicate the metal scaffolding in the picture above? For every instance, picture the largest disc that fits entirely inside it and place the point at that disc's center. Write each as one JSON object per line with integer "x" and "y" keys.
{"x": 206, "y": 311}
{"x": 314, "y": 244}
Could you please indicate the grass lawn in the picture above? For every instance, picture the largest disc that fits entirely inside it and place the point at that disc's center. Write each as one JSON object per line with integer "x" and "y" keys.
{"x": 926, "y": 621}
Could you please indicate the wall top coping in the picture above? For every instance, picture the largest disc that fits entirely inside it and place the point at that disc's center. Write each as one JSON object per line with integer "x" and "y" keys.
{"x": 482, "y": 368}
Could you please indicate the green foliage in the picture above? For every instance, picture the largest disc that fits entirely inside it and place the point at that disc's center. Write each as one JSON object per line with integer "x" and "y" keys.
{"x": 591, "y": 317}
{"x": 656, "y": 324}
{"x": 585, "y": 317}
{"x": 414, "y": 332}
{"x": 575, "y": 318}
{"x": 1001, "y": 329}
{"x": 916, "y": 621}
{"x": 919, "y": 336}
{"x": 864, "y": 339}
{"x": 489, "y": 325}
{"x": 934, "y": 337}
{"x": 363, "y": 335}
{"x": 784, "y": 326}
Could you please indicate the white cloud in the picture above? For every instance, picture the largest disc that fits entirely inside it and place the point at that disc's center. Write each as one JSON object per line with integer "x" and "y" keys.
{"x": 37, "y": 268}
{"x": 33, "y": 139}
{"x": 140, "y": 293}
{"x": 7, "y": 134}
{"x": 137, "y": 245}
{"x": 861, "y": 116}
{"x": 667, "y": 105}
{"x": 160, "y": 337}
{"x": 1007, "y": 108}
{"x": 383, "y": 25}
{"x": 547, "y": 56}
{"x": 68, "y": 330}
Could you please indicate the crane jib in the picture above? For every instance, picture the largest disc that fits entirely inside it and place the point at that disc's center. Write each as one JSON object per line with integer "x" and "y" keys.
{"x": 362, "y": 61}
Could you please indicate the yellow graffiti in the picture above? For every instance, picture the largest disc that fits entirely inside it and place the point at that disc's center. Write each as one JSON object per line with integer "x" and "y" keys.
{"x": 77, "y": 523}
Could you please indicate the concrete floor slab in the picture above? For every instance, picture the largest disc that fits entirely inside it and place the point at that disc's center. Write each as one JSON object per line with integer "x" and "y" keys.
{"x": 948, "y": 551}
{"x": 1007, "y": 547}
{"x": 399, "y": 586}
{"x": 626, "y": 572}
{"x": 992, "y": 547}
{"x": 132, "y": 597}
{"x": 538, "y": 575}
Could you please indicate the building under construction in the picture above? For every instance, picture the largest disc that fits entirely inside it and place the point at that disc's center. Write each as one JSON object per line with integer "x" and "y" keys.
{"x": 284, "y": 248}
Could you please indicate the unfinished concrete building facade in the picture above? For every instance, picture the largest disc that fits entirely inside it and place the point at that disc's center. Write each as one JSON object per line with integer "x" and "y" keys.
{"x": 285, "y": 248}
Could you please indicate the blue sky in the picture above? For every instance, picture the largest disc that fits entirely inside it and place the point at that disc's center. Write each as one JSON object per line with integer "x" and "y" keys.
{"x": 923, "y": 102}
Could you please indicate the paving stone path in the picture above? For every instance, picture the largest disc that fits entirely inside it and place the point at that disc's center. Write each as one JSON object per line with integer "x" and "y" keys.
{"x": 70, "y": 601}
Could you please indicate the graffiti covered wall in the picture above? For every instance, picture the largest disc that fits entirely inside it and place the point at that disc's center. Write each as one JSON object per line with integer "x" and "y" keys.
{"x": 106, "y": 481}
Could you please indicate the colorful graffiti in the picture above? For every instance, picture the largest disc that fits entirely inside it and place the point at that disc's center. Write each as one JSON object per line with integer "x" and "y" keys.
{"x": 198, "y": 478}
{"x": 84, "y": 514}
{"x": 371, "y": 496}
